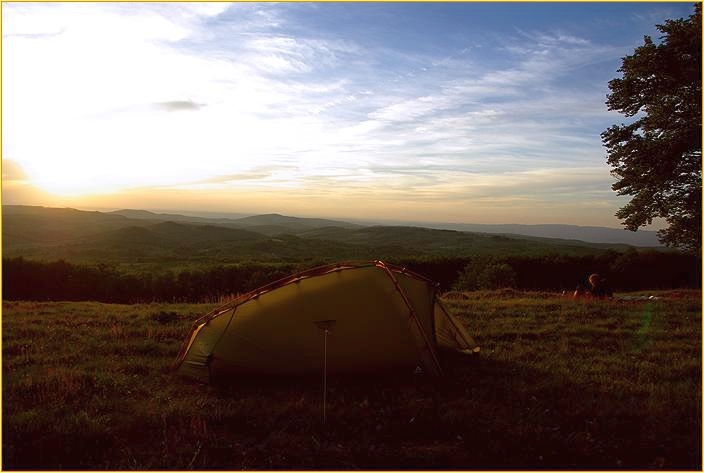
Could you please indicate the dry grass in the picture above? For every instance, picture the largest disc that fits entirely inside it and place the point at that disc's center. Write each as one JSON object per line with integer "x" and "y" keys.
{"x": 559, "y": 384}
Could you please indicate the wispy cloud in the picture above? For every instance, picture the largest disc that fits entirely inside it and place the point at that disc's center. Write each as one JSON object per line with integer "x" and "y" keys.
{"x": 179, "y": 105}
{"x": 266, "y": 101}
{"x": 12, "y": 171}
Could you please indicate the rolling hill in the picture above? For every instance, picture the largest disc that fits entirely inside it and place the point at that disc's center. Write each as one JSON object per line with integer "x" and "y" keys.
{"x": 290, "y": 223}
{"x": 133, "y": 238}
{"x": 273, "y": 224}
{"x": 589, "y": 234}
{"x": 28, "y": 225}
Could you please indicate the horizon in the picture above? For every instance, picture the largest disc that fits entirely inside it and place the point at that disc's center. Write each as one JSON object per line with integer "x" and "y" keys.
{"x": 357, "y": 221}
{"x": 430, "y": 113}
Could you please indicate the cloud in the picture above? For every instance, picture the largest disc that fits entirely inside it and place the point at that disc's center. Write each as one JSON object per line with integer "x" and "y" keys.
{"x": 253, "y": 176}
{"x": 276, "y": 106}
{"x": 179, "y": 105}
{"x": 18, "y": 189}
{"x": 12, "y": 171}
{"x": 36, "y": 35}
{"x": 519, "y": 104}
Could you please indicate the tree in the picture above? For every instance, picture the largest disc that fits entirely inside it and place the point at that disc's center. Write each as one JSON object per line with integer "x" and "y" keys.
{"x": 657, "y": 158}
{"x": 486, "y": 273}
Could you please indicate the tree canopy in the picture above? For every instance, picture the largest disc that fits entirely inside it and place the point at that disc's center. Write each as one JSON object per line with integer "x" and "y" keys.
{"x": 657, "y": 157}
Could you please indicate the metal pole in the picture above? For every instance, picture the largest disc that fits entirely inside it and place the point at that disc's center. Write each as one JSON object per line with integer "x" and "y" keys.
{"x": 326, "y": 326}
{"x": 325, "y": 370}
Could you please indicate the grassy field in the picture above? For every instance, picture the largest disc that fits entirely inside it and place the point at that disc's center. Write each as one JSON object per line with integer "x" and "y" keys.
{"x": 558, "y": 384}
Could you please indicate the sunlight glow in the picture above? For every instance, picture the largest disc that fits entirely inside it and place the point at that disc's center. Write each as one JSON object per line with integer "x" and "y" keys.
{"x": 269, "y": 106}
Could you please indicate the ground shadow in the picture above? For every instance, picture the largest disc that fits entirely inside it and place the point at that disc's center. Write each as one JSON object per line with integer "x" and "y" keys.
{"x": 481, "y": 414}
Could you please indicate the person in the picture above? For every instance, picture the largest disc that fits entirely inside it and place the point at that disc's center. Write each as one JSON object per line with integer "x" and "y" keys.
{"x": 596, "y": 286}
{"x": 580, "y": 291}
{"x": 599, "y": 287}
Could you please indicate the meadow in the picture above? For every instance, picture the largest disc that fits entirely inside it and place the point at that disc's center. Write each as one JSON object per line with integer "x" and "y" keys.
{"x": 559, "y": 383}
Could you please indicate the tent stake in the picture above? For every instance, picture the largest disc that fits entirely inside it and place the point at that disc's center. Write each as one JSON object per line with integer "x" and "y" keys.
{"x": 325, "y": 372}
{"x": 326, "y": 326}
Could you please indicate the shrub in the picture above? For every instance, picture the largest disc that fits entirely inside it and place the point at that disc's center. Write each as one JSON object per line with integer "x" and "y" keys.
{"x": 486, "y": 274}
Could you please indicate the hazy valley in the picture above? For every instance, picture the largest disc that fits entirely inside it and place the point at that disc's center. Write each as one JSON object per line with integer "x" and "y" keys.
{"x": 131, "y": 237}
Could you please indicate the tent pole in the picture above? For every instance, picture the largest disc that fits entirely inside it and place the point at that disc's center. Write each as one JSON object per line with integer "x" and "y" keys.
{"x": 326, "y": 326}
{"x": 325, "y": 370}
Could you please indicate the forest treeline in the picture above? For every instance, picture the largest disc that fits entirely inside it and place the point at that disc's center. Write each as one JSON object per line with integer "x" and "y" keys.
{"x": 25, "y": 279}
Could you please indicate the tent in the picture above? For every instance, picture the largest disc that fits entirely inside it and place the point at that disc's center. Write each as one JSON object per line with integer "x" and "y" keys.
{"x": 355, "y": 317}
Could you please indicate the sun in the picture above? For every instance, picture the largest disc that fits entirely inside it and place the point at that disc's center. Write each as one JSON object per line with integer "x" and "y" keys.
{"x": 69, "y": 180}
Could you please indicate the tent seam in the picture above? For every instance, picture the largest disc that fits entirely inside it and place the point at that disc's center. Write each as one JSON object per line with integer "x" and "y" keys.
{"x": 382, "y": 265}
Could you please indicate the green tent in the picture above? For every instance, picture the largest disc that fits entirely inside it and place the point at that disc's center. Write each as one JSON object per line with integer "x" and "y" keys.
{"x": 367, "y": 317}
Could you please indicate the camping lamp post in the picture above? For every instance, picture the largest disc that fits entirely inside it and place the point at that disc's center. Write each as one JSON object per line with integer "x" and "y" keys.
{"x": 326, "y": 326}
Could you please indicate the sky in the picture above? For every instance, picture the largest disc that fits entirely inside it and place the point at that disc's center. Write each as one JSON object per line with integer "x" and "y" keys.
{"x": 435, "y": 112}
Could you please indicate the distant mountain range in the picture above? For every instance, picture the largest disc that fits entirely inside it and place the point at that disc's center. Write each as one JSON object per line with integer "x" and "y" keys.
{"x": 642, "y": 238}
{"x": 275, "y": 223}
{"x": 143, "y": 237}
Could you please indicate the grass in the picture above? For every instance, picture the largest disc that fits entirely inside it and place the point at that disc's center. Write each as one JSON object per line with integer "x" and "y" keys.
{"x": 559, "y": 384}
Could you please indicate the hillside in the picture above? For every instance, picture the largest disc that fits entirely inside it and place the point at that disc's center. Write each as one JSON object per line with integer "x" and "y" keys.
{"x": 291, "y": 224}
{"x": 561, "y": 384}
{"x": 452, "y": 242}
{"x": 589, "y": 234}
{"x": 26, "y": 225}
{"x": 171, "y": 217}
{"x": 133, "y": 238}
{"x": 273, "y": 224}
